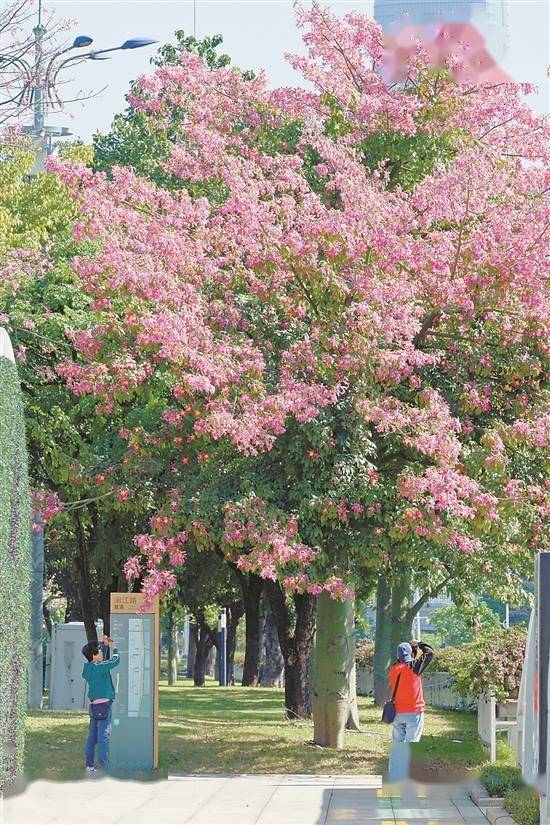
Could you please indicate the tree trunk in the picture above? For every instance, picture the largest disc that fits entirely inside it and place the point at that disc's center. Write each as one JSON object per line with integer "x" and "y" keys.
{"x": 297, "y": 670}
{"x": 47, "y": 618}
{"x": 81, "y": 563}
{"x": 401, "y": 619}
{"x": 191, "y": 651}
{"x": 105, "y": 604}
{"x": 234, "y": 613}
{"x": 203, "y": 642}
{"x": 66, "y": 579}
{"x": 353, "y": 722}
{"x": 211, "y": 662}
{"x": 251, "y": 587}
{"x": 272, "y": 673}
{"x": 296, "y": 640}
{"x": 172, "y": 647}
{"x": 73, "y": 610}
{"x": 200, "y": 656}
{"x": 382, "y": 643}
{"x": 334, "y": 658}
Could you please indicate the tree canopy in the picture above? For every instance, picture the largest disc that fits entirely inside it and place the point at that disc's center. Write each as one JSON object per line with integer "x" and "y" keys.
{"x": 314, "y": 259}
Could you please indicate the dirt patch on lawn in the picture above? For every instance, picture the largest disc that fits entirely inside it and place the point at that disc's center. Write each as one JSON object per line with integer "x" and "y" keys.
{"x": 426, "y": 774}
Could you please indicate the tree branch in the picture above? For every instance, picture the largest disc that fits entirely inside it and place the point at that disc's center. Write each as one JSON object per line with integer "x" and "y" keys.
{"x": 427, "y": 325}
{"x": 432, "y": 591}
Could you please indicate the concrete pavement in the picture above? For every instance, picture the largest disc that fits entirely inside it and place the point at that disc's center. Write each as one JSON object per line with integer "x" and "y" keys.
{"x": 240, "y": 800}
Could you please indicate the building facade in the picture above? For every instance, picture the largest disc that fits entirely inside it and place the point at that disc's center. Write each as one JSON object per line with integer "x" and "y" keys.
{"x": 489, "y": 17}
{"x": 394, "y": 14}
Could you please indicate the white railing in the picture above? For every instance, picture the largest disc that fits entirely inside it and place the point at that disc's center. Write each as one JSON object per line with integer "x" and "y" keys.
{"x": 438, "y": 690}
{"x": 492, "y": 718}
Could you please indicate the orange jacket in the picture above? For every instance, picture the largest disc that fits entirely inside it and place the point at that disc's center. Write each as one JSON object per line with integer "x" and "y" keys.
{"x": 410, "y": 697}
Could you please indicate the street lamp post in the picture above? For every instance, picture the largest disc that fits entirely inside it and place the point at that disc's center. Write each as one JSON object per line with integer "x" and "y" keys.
{"x": 35, "y": 685}
{"x": 40, "y": 88}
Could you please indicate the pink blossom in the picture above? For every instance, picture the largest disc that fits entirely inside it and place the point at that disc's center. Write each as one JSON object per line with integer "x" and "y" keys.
{"x": 46, "y": 504}
{"x": 132, "y": 568}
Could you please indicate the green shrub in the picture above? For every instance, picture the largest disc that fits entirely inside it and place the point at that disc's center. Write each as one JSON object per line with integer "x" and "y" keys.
{"x": 455, "y": 626}
{"x": 443, "y": 658}
{"x": 523, "y": 805}
{"x": 499, "y": 779}
{"x": 494, "y": 662}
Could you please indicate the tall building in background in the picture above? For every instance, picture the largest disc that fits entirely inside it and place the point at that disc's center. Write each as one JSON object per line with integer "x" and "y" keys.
{"x": 490, "y": 18}
{"x": 394, "y": 14}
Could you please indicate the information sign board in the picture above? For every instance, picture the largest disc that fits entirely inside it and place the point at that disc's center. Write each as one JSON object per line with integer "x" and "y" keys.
{"x": 134, "y": 732}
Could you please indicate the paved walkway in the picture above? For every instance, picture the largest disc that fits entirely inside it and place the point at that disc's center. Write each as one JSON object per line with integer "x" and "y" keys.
{"x": 240, "y": 800}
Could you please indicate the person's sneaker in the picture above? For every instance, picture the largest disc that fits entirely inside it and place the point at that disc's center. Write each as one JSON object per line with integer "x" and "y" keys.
{"x": 90, "y": 771}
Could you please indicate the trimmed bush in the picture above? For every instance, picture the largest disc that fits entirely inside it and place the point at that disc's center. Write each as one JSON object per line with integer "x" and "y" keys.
{"x": 493, "y": 663}
{"x": 15, "y": 561}
{"x": 498, "y": 780}
{"x": 523, "y": 805}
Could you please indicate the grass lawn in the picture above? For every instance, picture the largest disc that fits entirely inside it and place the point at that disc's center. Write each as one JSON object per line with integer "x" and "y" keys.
{"x": 243, "y": 730}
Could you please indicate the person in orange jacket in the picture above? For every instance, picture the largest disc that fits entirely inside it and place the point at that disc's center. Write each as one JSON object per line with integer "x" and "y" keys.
{"x": 405, "y": 681}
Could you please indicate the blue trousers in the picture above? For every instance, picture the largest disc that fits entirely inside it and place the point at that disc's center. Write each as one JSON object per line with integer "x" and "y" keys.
{"x": 407, "y": 727}
{"x": 99, "y": 733}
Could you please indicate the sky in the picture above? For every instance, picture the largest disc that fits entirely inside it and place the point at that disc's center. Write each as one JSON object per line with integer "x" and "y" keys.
{"x": 256, "y": 34}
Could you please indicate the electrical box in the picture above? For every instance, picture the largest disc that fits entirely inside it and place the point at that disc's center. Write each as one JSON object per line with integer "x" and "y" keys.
{"x": 67, "y": 687}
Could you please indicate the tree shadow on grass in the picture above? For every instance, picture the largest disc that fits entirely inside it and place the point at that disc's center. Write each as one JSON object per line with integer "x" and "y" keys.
{"x": 264, "y": 752}
{"x": 218, "y": 705}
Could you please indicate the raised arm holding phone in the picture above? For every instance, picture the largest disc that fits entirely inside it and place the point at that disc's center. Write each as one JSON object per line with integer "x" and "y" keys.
{"x": 101, "y": 693}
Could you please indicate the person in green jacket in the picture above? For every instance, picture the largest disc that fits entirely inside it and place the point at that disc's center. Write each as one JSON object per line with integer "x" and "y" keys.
{"x": 101, "y": 693}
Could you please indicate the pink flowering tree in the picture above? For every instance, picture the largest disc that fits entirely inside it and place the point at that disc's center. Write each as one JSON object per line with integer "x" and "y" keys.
{"x": 354, "y": 243}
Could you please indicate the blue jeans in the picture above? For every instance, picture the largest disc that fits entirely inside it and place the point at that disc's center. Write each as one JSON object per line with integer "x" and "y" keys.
{"x": 407, "y": 727}
{"x": 99, "y": 733}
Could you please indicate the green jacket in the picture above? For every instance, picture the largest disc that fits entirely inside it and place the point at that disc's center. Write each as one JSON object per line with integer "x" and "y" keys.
{"x": 98, "y": 676}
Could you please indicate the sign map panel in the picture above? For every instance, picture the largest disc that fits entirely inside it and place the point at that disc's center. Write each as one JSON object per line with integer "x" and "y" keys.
{"x": 133, "y": 732}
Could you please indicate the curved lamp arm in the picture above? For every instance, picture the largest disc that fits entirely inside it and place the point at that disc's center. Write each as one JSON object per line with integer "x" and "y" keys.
{"x": 54, "y": 58}
{"x": 95, "y": 54}
{"x": 73, "y": 59}
{"x": 21, "y": 94}
{"x": 17, "y": 61}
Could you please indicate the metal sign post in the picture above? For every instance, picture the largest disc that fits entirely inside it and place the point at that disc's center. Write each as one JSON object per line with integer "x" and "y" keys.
{"x": 136, "y": 632}
{"x": 35, "y": 684}
{"x": 222, "y": 648}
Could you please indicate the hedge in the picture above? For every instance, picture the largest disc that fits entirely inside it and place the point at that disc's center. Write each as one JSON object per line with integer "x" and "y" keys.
{"x": 523, "y": 805}
{"x": 498, "y": 780}
{"x": 493, "y": 662}
{"x": 15, "y": 573}
{"x": 521, "y": 802}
